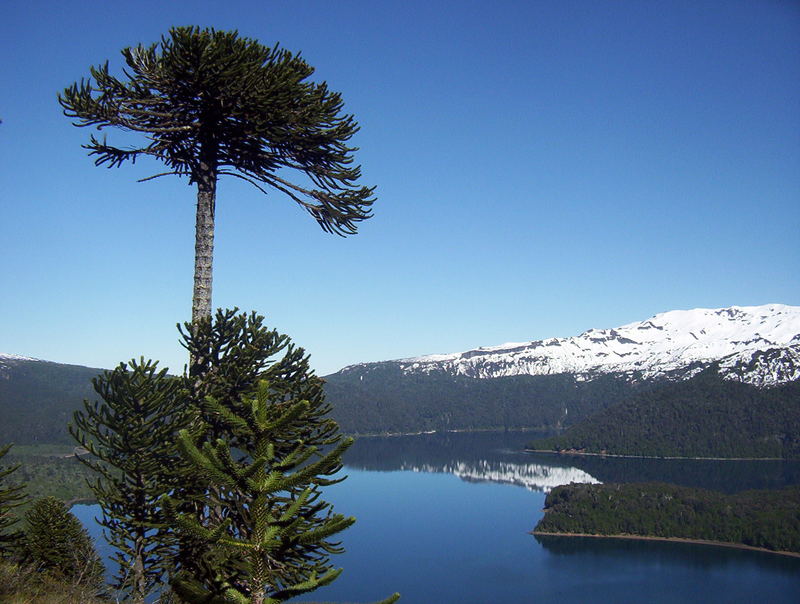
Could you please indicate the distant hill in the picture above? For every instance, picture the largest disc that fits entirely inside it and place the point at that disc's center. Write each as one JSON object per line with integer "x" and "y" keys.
{"x": 706, "y": 416}
{"x": 37, "y": 399}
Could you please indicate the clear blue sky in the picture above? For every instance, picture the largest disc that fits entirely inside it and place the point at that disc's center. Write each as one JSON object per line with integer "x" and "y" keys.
{"x": 542, "y": 168}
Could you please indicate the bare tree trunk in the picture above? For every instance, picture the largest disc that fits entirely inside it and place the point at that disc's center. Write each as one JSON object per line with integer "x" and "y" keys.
{"x": 204, "y": 245}
{"x": 139, "y": 590}
{"x": 188, "y": 555}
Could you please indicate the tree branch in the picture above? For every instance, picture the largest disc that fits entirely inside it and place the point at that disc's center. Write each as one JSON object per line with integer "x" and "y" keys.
{"x": 246, "y": 179}
{"x": 154, "y": 176}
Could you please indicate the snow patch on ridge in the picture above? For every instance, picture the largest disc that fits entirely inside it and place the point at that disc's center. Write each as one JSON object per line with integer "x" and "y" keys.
{"x": 15, "y": 357}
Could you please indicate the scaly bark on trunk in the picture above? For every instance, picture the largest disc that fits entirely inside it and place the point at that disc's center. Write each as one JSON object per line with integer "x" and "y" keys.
{"x": 204, "y": 244}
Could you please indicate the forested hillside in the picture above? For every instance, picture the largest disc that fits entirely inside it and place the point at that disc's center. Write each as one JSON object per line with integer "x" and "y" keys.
{"x": 705, "y": 416}
{"x": 768, "y": 519}
{"x": 37, "y": 399}
{"x": 385, "y": 400}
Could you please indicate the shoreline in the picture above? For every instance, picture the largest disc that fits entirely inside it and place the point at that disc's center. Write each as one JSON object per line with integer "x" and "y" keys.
{"x": 453, "y": 431}
{"x": 587, "y": 454}
{"x": 80, "y": 500}
{"x": 672, "y": 540}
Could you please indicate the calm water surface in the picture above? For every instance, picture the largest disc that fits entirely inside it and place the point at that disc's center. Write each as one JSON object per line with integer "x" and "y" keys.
{"x": 446, "y": 519}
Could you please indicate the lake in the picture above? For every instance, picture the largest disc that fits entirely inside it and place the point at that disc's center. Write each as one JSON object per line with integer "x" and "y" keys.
{"x": 445, "y": 518}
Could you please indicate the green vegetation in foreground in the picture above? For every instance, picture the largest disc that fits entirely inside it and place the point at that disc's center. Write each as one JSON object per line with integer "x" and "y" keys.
{"x": 705, "y": 416}
{"x": 25, "y": 585}
{"x": 55, "y": 543}
{"x": 768, "y": 519}
{"x": 47, "y": 558}
{"x": 20, "y": 584}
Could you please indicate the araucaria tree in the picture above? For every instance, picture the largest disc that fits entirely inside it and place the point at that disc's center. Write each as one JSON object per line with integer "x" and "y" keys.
{"x": 11, "y": 496}
{"x": 249, "y": 510}
{"x": 56, "y": 544}
{"x": 240, "y": 351}
{"x": 130, "y": 436}
{"x": 274, "y": 535}
{"x": 211, "y": 103}
{"x": 258, "y": 446}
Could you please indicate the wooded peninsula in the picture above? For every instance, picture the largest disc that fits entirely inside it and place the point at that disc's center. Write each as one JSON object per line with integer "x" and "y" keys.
{"x": 768, "y": 519}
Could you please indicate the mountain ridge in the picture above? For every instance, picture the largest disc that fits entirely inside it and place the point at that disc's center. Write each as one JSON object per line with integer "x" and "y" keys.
{"x": 753, "y": 344}
{"x": 759, "y": 346}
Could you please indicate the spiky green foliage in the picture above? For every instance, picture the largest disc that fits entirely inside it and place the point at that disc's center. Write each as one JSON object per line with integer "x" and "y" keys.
{"x": 130, "y": 436}
{"x": 239, "y": 351}
{"x": 211, "y": 103}
{"x": 11, "y": 496}
{"x": 276, "y": 530}
{"x": 248, "y": 108}
{"x": 229, "y": 353}
{"x": 57, "y": 544}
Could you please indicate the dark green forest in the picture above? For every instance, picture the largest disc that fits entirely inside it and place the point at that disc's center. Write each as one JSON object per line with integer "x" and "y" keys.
{"x": 768, "y": 519}
{"x": 37, "y": 400}
{"x": 705, "y": 416}
{"x": 702, "y": 417}
{"x": 383, "y": 399}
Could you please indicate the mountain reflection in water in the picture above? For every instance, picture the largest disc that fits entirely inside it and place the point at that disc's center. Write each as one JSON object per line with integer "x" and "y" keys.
{"x": 499, "y": 457}
{"x": 534, "y": 477}
{"x": 474, "y": 457}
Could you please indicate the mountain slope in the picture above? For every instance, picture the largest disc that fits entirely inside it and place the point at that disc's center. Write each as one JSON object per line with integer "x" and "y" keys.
{"x": 557, "y": 382}
{"x": 705, "y": 416}
{"x": 37, "y": 399}
{"x": 548, "y": 384}
{"x": 384, "y": 399}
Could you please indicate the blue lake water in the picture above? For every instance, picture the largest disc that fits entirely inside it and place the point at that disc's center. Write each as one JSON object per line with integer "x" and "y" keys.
{"x": 446, "y": 519}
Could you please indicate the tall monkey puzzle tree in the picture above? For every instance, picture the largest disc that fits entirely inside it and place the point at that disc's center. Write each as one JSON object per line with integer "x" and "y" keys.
{"x": 211, "y": 103}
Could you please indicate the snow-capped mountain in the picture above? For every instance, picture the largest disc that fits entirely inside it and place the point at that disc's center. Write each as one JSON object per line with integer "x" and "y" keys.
{"x": 755, "y": 344}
